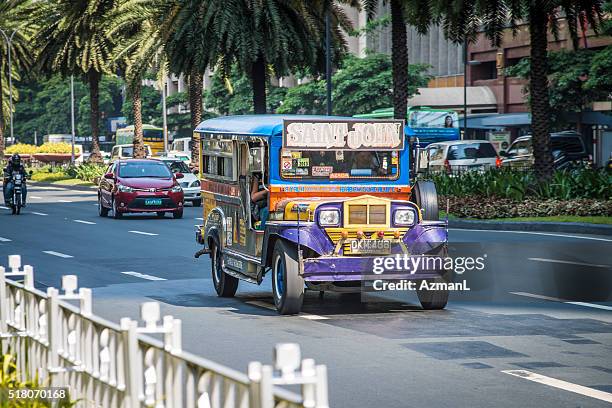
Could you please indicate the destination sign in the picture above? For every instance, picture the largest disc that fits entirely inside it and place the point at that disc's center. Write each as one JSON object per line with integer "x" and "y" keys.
{"x": 346, "y": 134}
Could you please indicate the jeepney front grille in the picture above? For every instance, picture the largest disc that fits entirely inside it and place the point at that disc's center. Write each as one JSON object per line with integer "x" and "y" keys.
{"x": 335, "y": 234}
{"x": 363, "y": 214}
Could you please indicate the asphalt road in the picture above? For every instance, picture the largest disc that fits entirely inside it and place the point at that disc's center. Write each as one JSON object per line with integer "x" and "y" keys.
{"x": 542, "y": 305}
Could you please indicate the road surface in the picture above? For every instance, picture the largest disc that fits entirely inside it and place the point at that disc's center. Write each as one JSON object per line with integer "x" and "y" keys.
{"x": 535, "y": 330}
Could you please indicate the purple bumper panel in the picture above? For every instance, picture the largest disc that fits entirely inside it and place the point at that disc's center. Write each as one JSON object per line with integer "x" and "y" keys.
{"x": 361, "y": 268}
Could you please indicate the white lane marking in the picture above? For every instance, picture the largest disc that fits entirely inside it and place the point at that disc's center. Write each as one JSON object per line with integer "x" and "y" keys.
{"x": 200, "y": 219}
{"x": 85, "y": 222}
{"x": 143, "y": 233}
{"x": 143, "y": 276}
{"x": 64, "y": 201}
{"x": 45, "y": 188}
{"x": 266, "y": 305}
{"x": 554, "y": 299}
{"x": 58, "y": 254}
{"x": 38, "y": 213}
{"x": 535, "y": 233}
{"x": 36, "y": 197}
{"x": 568, "y": 262}
{"x": 4, "y": 239}
{"x": 312, "y": 317}
{"x": 563, "y": 385}
{"x": 4, "y": 208}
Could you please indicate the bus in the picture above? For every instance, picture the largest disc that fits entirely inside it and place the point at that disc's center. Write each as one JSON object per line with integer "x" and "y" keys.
{"x": 425, "y": 124}
{"x": 153, "y": 136}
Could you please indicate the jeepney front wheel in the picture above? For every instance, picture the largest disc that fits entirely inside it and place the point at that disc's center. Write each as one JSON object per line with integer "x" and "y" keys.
{"x": 425, "y": 196}
{"x": 287, "y": 284}
{"x": 433, "y": 299}
{"x": 225, "y": 285}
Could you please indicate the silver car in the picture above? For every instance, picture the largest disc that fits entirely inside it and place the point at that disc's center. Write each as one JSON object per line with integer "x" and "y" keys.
{"x": 462, "y": 155}
{"x": 190, "y": 182}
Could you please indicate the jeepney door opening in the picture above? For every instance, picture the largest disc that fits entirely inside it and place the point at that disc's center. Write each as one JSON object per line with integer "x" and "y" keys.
{"x": 256, "y": 166}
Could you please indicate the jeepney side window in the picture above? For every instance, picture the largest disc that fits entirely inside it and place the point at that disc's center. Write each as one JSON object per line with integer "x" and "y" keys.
{"x": 218, "y": 159}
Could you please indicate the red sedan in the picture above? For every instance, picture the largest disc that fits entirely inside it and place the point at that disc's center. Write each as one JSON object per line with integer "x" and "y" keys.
{"x": 140, "y": 185}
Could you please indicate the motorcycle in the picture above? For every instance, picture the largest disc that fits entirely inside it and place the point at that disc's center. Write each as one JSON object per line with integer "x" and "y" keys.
{"x": 17, "y": 199}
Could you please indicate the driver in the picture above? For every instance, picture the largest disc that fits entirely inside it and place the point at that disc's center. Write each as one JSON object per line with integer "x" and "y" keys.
{"x": 14, "y": 165}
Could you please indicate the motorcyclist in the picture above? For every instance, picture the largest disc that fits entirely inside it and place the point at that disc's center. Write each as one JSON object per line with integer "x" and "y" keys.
{"x": 14, "y": 165}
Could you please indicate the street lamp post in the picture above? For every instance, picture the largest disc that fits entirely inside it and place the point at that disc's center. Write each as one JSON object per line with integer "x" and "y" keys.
{"x": 465, "y": 69}
{"x": 165, "y": 119}
{"x": 9, "y": 43}
{"x": 72, "y": 116}
{"x": 328, "y": 61}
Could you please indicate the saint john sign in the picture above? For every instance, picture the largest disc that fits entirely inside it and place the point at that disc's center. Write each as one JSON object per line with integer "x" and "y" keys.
{"x": 343, "y": 134}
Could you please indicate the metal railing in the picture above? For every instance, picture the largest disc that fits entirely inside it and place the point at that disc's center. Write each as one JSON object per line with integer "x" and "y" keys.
{"x": 108, "y": 365}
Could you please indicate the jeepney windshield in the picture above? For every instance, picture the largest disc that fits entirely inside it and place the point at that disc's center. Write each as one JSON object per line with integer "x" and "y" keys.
{"x": 339, "y": 164}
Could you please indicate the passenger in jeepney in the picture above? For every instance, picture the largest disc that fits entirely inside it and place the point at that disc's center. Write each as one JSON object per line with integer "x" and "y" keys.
{"x": 366, "y": 163}
{"x": 259, "y": 199}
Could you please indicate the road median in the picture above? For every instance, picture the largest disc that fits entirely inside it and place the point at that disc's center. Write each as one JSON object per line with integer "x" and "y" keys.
{"x": 539, "y": 226}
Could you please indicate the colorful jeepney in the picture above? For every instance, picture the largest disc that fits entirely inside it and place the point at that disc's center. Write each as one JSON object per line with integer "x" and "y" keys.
{"x": 339, "y": 200}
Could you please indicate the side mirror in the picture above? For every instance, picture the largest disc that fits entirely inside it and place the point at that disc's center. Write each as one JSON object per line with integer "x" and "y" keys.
{"x": 195, "y": 171}
{"x": 179, "y": 175}
{"x": 503, "y": 153}
{"x": 109, "y": 176}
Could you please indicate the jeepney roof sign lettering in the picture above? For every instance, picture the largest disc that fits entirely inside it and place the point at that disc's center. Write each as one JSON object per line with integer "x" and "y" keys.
{"x": 343, "y": 135}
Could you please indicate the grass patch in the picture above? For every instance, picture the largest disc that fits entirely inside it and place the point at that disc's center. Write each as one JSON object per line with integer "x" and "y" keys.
{"x": 73, "y": 182}
{"x": 562, "y": 218}
{"x": 50, "y": 177}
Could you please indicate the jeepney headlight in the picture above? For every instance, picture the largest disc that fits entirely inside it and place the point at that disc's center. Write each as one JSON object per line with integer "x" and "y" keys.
{"x": 404, "y": 217}
{"x": 124, "y": 189}
{"x": 329, "y": 217}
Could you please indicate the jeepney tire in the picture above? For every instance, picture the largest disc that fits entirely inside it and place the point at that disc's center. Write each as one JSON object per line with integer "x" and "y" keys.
{"x": 291, "y": 284}
{"x": 425, "y": 196}
{"x": 102, "y": 211}
{"x": 197, "y": 203}
{"x": 433, "y": 299}
{"x": 225, "y": 285}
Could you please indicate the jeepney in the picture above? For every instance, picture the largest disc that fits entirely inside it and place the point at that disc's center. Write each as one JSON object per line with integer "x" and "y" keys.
{"x": 339, "y": 200}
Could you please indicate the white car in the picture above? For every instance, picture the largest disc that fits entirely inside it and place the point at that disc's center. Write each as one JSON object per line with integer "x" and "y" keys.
{"x": 189, "y": 183}
{"x": 462, "y": 155}
{"x": 126, "y": 151}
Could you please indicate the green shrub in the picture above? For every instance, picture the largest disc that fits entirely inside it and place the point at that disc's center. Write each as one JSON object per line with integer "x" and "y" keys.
{"x": 87, "y": 172}
{"x": 583, "y": 182}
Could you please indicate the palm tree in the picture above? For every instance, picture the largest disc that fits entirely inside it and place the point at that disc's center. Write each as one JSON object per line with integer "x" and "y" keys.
{"x": 462, "y": 20}
{"x": 140, "y": 35}
{"x": 12, "y": 17}
{"x": 73, "y": 40}
{"x": 417, "y": 13}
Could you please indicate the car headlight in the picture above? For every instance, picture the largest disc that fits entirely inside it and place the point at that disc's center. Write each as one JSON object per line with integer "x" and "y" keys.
{"x": 195, "y": 183}
{"x": 404, "y": 217}
{"x": 176, "y": 189}
{"x": 329, "y": 217}
{"x": 125, "y": 189}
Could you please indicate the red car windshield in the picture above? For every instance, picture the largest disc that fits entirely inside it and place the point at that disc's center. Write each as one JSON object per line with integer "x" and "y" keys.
{"x": 144, "y": 169}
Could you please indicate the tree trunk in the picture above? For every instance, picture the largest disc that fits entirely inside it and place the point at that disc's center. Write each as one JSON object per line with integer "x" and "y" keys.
{"x": 139, "y": 148}
{"x": 538, "y": 89}
{"x": 195, "y": 106}
{"x": 399, "y": 60}
{"x": 1, "y": 116}
{"x": 94, "y": 99}
{"x": 258, "y": 82}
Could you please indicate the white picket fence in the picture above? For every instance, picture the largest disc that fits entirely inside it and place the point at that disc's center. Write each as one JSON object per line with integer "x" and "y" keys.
{"x": 108, "y": 365}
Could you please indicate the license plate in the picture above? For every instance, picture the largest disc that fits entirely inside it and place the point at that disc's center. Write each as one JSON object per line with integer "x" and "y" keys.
{"x": 153, "y": 201}
{"x": 371, "y": 246}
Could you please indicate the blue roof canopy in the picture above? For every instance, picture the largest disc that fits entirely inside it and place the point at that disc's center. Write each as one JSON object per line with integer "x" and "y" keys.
{"x": 257, "y": 125}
